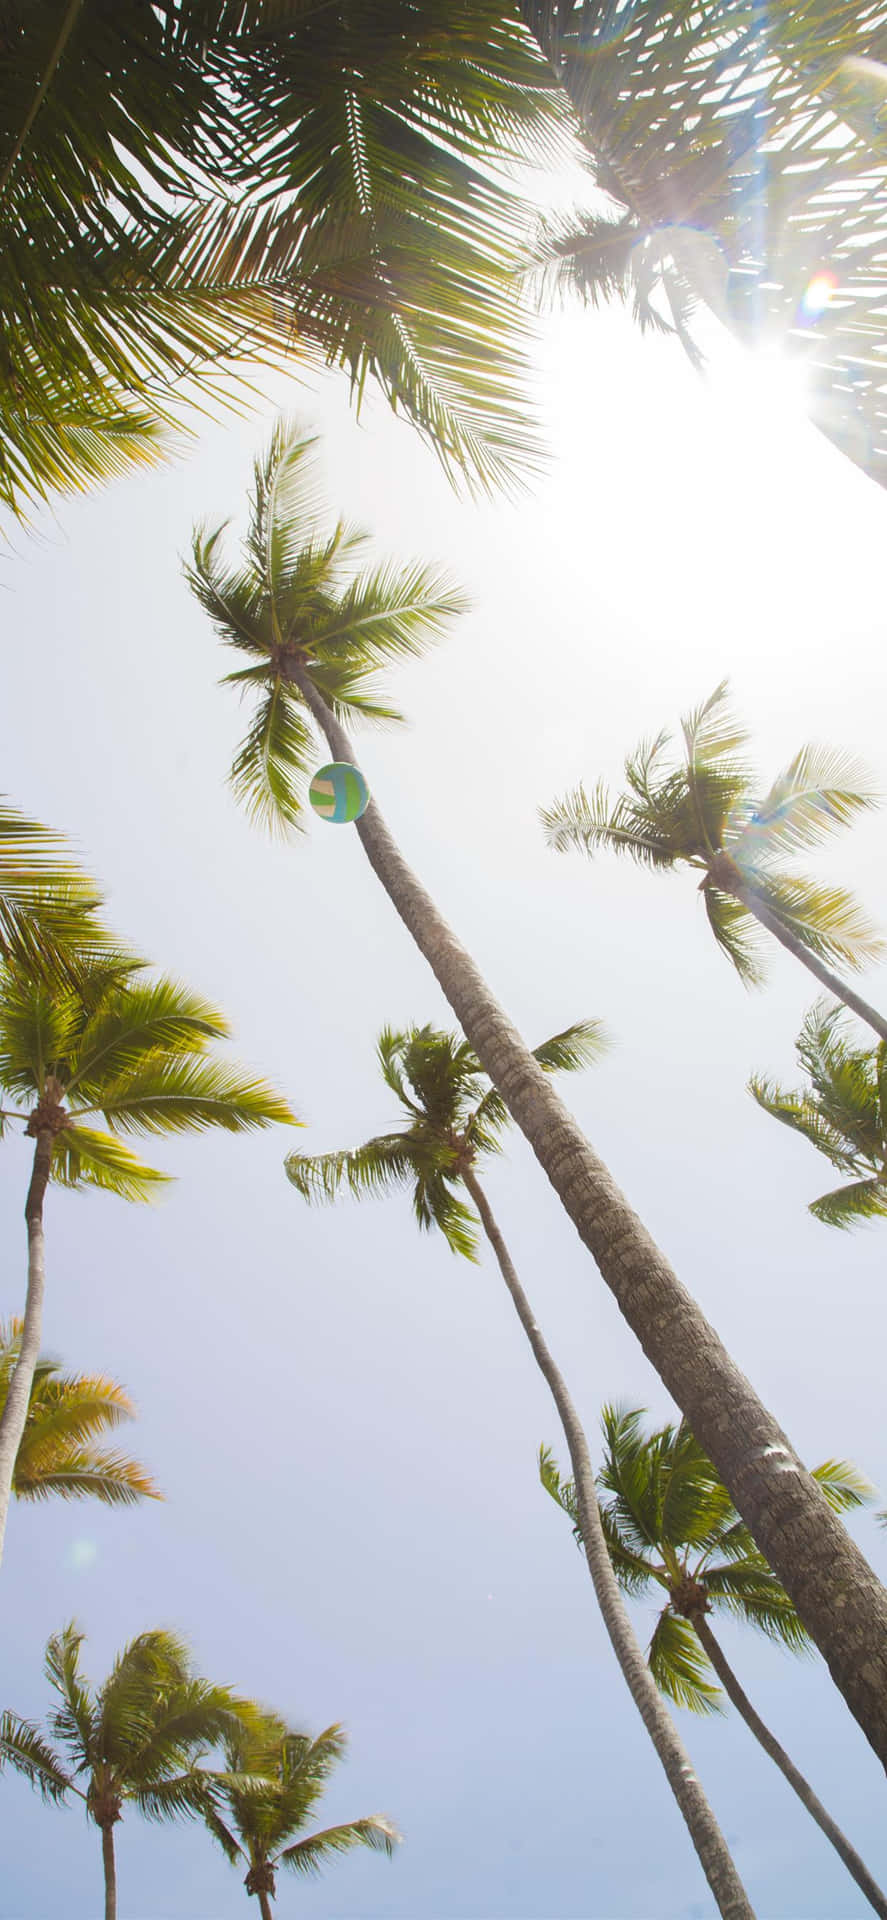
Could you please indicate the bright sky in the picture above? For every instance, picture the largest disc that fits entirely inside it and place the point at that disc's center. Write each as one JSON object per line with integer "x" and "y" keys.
{"x": 344, "y": 1417}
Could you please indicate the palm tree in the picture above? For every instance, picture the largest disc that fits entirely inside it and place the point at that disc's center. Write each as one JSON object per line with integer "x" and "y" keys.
{"x": 117, "y": 1044}
{"x": 139, "y": 1740}
{"x": 705, "y": 815}
{"x": 744, "y": 152}
{"x": 842, "y": 1111}
{"x": 186, "y": 187}
{"x": 451, "y": 1117}
{"x": 312, "y": 642}
{"x": 58, "y": 1452}
{"x": 47, "y": 903}
{"x": 670, "y": 1524}
{"x": 276, "y": 1775}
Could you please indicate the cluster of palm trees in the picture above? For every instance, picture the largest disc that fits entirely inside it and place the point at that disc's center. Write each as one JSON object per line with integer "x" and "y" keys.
{"x": 263, "y": 179}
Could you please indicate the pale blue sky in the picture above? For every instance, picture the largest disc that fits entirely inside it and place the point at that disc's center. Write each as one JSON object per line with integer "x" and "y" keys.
{"x": 343, "y": 1416}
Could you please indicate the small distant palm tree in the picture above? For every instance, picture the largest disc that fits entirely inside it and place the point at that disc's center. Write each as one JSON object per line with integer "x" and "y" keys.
{"x": 275, "y": 1778}
{"x": 139, "y": 1741}
{"x": 135, "y": 1051}
{"x": 452, "y": 1118}
{"x": 842, "y": 1111}
{"x": 705, "y": 815}
{"x": 670, "y": 1525}
{"x": 57, "y": 1451}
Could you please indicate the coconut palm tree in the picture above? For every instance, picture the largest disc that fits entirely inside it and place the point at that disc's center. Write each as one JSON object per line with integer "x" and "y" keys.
{"x": 139, "y": 1740}
{"x": 276, "y": 1775}
{"x": 744, "y": 155}
{"x": 706, "y": 815}
{"x": 450, "y": 1119}
{"x": 312, "y": 632}
{"x": 670, "y": 1525}
{"x": 184, "y": 187}
{"x": 842, "y": 1111}
{"x": 117, "y": 1044}
{"x": 66, "y": 1412}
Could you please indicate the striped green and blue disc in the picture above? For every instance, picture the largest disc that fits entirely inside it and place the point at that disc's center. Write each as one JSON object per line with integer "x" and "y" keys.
{"x": 339, "y": 792}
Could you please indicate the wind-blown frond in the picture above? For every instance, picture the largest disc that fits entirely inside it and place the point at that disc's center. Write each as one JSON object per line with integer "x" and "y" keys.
{"x": 83, "y": 1157}
{"x": 23, "y": 1747}
{"x": 737, "y": 935}
{"x": 847, "y": 1206}
{"x": 579, "y": 1046}
{"x": 167, "y": 1094}
{"x": 375, "y": 1168}
{"x": 840, "y": 1111}
{"x": 679, "y": 1666}
{"x": 820, "y": 790}
{"x": 827, "y": 920}
{"x": 310, "y": 1855}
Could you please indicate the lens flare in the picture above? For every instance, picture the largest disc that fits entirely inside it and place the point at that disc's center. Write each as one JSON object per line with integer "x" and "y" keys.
{"x": 817, "y": 294}
{"x": 81, "y": 1555}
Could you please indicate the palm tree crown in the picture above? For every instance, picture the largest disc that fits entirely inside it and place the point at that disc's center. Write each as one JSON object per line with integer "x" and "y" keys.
{"x": 671, "y": 1526}
{"x": 842, "y": 1111}
{"x": 704, "y": 814}
{"x": 57, "y": 1452}
{"x": 135, "y": 1051}
{"x": 301, "y": 602}
{"x": 452, "y": 1116}
{"x": 276, "y": 1775}
{"x": 139, "y": 1739}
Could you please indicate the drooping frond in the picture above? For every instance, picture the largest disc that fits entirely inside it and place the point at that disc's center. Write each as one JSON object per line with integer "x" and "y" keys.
{"x": 311, "y": 1855}
{"x": 737, "y": 934}
{"x": 679, "y": 1666}
{"x": 57, "y": 1453}
{"x": 749, "y": 1590}
{"x": 96, "y": 1473}
{"x": 847, "y": 1206}
{"x": 84, "y": 1157}
{"x": 375, "y": 1168}
{"x": 23, "y": 1747}
{"x": 270, "y": 775}
{"x": 798, "y": 1111}
{"x": 827, "y": 920}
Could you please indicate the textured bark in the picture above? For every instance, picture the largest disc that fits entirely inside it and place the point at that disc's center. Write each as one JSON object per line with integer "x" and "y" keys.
{"x": 110, "y": 1865}
{"x": 754, "y": 904}
{"x": 786, "y": 1766}
{"x": 15, "y": 1412}
{"x": 838, "y": 1597}
{"x": 707, "y": 1838}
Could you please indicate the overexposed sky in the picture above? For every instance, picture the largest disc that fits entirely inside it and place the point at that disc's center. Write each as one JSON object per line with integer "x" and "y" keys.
{"x": 343, "y": 1416}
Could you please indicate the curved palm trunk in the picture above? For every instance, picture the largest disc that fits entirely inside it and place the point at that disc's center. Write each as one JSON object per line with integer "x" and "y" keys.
{"x": 754, "y": 904}
{"x": 110, "y": 1865}
{"x": 703, "y": 1828}
{"x": 786, "y": 1766}
{"x": 15, "y": 1412}
{"x": 840, "y": 1600}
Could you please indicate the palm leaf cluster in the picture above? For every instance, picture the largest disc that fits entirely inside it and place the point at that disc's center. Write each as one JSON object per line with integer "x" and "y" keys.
{"x": 671, "y": 1529}
{"x": 139, "y": 1738}
{"x": 745, "y": 149}
{"x": 841, "y": 1110}
{"x": 306, "y": 592}
{"x": 48, "y": 906}
{"x": 704, "y": 814}
{"x": 197, "y": 182}
{"x": 274, "y": 1779}
{"x": 117, "y": 1045}
{"x": 58, "y": 1454}
{"x": 451, "y": 1117}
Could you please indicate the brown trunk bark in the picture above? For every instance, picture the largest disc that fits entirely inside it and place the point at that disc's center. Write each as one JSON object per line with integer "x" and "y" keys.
{"x": 15, "y": 1412}
{"x": 754, "y": 904}
{"x": 707, "y": 1838}
{"x": 110, "y": 1865}
{"x": 265, "y": 1907}
{"x": 841, "y": 1602}
{"x": 786, "y": 1766}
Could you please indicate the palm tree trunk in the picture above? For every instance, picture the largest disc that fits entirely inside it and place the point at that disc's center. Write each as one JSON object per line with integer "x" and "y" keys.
{"x": 15, "y": 1412}
{"x": 703, "y": 1828}
{"x": 265, "y": 1906}
{"x": 838, "y": 1597}
{"x": 110, "y": 1865}
{"x": 795, "y": 1779}
{"x": 755, "y": 904}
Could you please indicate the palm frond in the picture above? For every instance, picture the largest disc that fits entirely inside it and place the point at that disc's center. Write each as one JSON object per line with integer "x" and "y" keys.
{"x": 165, "y": 1093}
{"x": 579, "y": 1046}
{"x": 83, "y": 1157}
{"x": 679, "y": 1666}
{"x": 375, "y": 1168}
{"x": 23, "y": 1747}
{"x": 588, "y": 820}
{"x": 847, "y": 1206}
{"x": 797, "y": 1111}
{"x": 75, "y": 1721}
{"x": 112, "y": 1478}
{"x": 736, "y": 933}
{"x": 271, "y": 771}
{"x": 713, "y": 737}
{"x": 392, "y": 612}
{"x": 827, "y": 920}
{"x": 820, "y": 790}
{"x": 310, "y": 1855}
{"x": 845, "y": 1488}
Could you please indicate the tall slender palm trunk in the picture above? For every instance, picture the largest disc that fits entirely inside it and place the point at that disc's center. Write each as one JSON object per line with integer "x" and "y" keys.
{"x": 15, "y": 1412}
{"x": 703, "y": 1828}
{"x": 802, "y": 1788}
{"x": 838, "y": 1597}
{"x": 265, "y": 1907}
{"x": 754, "y": 904}
{"x": 110, "y": 1865}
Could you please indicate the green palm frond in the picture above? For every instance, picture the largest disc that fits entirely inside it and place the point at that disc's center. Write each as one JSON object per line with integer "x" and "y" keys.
{"x": 750, "y": 1591}
{"x": 736, "y": 933}
{"x": 579, "y": 1046}
{"x": 311, "y": 1855}
{"x": 847, "y": 1206}
{"x": 845, "y": 1488}
{"x": 112, "y": 1478}
{"x": 137, "y": 1021}
{"x": 801, "y": 1113}
{"x": 270, "y": 775}
{"x": 679, "y": 1666}
{"x": 819, "y": 791}
{"x": 375, "y": 1168}
{"x": 83, "y": 1157}
{"x": 57, "y": 1452}
{"x": 390, "y": 613}
{"x": 169, "y": 1094}
{"x": 181, "y": 1796}
{"x": 436, "y": 1205}
{"x": 587, "y": 821}
{"x": 826, "y": 920}
{"x": 75, "y": 1721}
{"x": 714, "y": 738}
{"x": 23, "y": 1747}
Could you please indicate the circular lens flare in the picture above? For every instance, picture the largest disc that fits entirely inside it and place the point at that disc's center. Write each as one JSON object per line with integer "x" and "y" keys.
{"x": 817, "y": 294}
